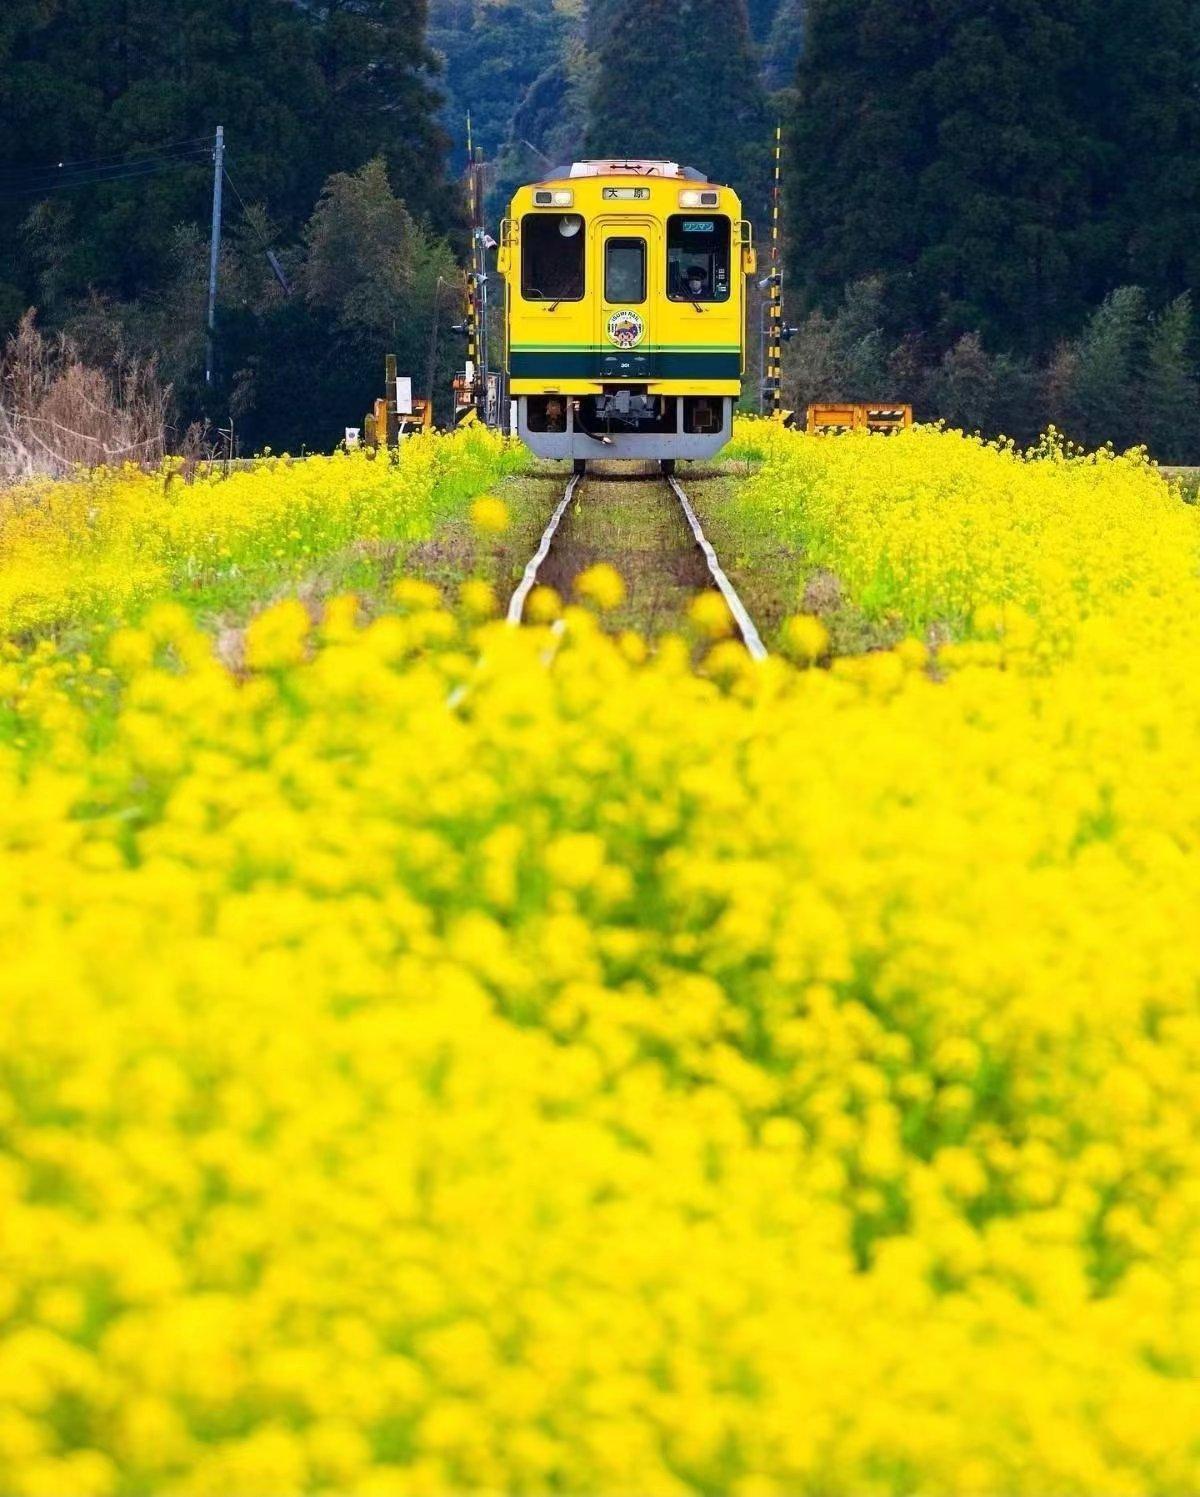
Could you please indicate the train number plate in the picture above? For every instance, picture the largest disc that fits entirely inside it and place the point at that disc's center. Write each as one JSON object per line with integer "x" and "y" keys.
{"x": 625, "y": 366}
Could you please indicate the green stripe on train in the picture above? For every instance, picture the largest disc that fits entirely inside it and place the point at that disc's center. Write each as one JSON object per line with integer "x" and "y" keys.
{"x": 636, "y": 364}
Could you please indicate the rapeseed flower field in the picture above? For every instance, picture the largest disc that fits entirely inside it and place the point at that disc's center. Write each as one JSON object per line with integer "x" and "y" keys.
{"x": 436, "y": 1057}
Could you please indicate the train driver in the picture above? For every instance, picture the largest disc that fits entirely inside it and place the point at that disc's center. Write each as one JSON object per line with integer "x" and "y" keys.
{"x": 695, "y": 282}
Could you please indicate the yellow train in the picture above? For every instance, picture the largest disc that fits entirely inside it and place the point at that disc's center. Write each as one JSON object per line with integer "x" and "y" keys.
{"x": 625, "y": 306}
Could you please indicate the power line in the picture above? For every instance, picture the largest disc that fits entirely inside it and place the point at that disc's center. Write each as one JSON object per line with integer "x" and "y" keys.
{"x": 99, "y": 177}
{"x": 272, "y": 258}
{"x": 42, "y": 180}
{"x": 245, "y": 210}
{"x": 113, "y": 158}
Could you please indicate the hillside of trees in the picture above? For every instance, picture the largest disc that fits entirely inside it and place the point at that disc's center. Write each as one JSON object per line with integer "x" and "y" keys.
{"x": 991, "y": 208}
{"x": 1013, "y": 188}
{"x": 114, "y": 245}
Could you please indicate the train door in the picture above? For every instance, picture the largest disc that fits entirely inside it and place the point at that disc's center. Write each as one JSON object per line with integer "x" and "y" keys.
{"x": 627, "y": 252}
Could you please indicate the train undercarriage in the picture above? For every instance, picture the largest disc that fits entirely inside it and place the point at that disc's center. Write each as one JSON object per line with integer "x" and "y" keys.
{"x": 624, "y": 422}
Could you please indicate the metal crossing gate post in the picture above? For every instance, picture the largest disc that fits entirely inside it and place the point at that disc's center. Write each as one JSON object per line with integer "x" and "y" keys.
{"x": 774, "y": 377}
{"x": 472, "y": 318}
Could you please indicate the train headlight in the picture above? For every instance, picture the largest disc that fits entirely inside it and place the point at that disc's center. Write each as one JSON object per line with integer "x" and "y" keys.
{"x": 693, "y": 197}
{"x": 560, "y": 197}
{"x": 569, "y": 225}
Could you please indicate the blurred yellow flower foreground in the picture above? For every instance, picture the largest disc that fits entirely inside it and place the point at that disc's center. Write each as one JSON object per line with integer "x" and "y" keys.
{"x": 443, "y": 1058}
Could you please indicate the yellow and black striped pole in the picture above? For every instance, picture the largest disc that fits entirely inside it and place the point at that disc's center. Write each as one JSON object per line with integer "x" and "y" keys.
{"x": 774, "y": 374}
{"x": 471, "y": 394}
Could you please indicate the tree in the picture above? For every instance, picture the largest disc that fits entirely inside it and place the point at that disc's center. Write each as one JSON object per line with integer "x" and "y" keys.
{"x": 1141, "y": 83}
{"x": 677, "y": 79}
{"x": 366, "y": 277}
{"x": 547, "y": 124}
{"x": 1103, "y": 399}
{"x": 493, "y": 56}
{"x": 362, "y": 244}
{"x": 784, "y": 43}
{"x": 1171, "y": 394}
{"x": 979, "y": 391}
{"x": 1004, "y": 164}
{"x": 305, "y": 90}
{"x": 761, "y": 14}
{"x": 950, "y": 148}
{"x": 840, "y": 357}
{"x": 377, "y": 70}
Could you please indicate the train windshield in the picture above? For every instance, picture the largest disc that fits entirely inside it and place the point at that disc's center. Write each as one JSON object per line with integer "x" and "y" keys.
{"x": 697, "y": 258}
{"x": 552, "y": 247}
{"x": 625, "y": 270}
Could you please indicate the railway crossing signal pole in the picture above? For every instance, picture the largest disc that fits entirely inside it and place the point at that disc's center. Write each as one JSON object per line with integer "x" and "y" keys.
{"x": 477, "y": 287}
{"x": 472, "y": 320}
{"x": 214, "y": 254}
{"x": 773, "y": 377}
{"x": 481, "y": 281}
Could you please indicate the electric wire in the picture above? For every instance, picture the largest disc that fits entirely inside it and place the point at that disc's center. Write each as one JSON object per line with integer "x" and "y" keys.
{"x": 245, "y": 210}
{"x": 113, "y": 158}
{"x": 48, "y": 180}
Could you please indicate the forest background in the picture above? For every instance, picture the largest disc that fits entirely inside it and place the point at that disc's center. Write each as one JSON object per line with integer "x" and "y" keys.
{"x": 992, "y": 207}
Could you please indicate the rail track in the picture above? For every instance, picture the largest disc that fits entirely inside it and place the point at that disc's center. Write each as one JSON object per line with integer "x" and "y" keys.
{"x": 741, "y": 617}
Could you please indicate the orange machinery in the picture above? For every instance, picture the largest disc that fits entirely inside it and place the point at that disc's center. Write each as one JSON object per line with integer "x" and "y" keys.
{"x": 859, "y": 417}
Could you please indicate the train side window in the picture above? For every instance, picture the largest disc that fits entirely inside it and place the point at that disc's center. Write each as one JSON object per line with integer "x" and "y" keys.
{"x": 625, "y": 270}
{"x": 552, "y": 249}
{"x": 697, "y": 258}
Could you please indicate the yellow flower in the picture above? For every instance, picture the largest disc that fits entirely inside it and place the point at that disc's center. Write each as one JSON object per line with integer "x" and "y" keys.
{"x": 479, "y": 599}
{"x": 472, "y": 1061}
{"x": 543, "y": 605}
{"x": 601, "y": 585}
{"x": 805, "y": 637}
{"x": 489, "y": 514}
{"x": 709, "y": 614}
{"x": 728, "y": 660}
{"x": 413, "y": 593}
{"x": 278, "y": 636}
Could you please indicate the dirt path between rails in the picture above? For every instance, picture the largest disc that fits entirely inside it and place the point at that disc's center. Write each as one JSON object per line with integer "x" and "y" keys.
{"x": 631, "y": 520}
{"x": 625, "y": 515}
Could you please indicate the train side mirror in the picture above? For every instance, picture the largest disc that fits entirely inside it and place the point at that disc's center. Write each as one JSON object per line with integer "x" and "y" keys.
{"x": 746, "y": 239}
{"x": 508, "y": 238}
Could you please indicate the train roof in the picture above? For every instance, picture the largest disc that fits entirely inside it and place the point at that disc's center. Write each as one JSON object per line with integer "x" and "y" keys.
{"x": 624, "y": 166}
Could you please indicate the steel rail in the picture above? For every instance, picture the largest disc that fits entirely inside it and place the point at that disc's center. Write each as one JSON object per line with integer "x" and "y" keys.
{"x": 516, "y": 605}
{"x": 751, "y": 636}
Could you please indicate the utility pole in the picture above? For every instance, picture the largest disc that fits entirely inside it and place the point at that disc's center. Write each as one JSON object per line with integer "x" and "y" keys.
{"x": 214, "y": 253}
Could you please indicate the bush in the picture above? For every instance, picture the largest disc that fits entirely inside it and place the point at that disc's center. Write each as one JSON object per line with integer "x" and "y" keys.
{"x": 58, "y": 413}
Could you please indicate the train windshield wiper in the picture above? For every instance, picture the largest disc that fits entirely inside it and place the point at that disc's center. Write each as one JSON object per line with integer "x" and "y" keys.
{"x": 538, "y": 294}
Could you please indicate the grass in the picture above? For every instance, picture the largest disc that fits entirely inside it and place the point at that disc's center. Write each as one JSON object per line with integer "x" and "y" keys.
{"x": 773, "y": 577}
{"x": 630, "y": 519}
{"x": 626, "y": 516}
{"x": 1188, "y": 480}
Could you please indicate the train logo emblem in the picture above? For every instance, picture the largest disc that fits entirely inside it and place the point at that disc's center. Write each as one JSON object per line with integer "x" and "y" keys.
{"x": 626, "y": 329}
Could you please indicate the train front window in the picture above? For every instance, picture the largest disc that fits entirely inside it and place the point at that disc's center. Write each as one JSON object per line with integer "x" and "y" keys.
{"x": 625, "y": 270}
{"x": 552, "y": 248}
{"x": 697, "y": 258}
